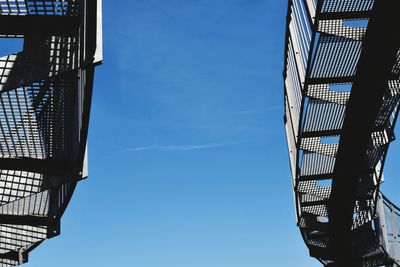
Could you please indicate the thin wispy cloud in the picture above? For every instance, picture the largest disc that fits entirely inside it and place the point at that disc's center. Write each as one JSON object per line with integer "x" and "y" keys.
{"x": 257, "y": 111}
{"x": 180, "y": 147}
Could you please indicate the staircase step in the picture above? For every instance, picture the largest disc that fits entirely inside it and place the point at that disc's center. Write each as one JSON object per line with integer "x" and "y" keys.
{"x": 311, "y": 223}
{"x": 314, "y": 203}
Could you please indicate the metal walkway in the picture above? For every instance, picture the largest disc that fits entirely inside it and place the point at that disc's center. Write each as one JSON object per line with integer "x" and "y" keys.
{"x": 342, "y": 94}
{"x": 45, "y": 95}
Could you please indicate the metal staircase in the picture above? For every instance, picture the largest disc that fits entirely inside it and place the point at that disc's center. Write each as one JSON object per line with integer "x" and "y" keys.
{"x": 45, "y": 94}
{"x": 342, "y": 93}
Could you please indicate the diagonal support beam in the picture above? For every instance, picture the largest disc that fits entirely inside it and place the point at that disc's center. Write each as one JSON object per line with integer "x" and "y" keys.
{"x": 21, "y": 256}
{"x": 374, "y": 68}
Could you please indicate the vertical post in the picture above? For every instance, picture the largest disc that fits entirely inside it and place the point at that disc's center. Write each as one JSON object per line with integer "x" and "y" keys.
{"x": 395, "y": 232}
{"x": 381, "y": 225}
{"x": 53, "y": 227}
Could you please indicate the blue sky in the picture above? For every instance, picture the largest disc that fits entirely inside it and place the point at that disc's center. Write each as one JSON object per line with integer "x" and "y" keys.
{"x": 188, "y": 164}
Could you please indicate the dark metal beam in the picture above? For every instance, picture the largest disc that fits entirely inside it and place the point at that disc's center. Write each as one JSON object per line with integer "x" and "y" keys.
{"x": 39, "y": 24}
{"x": 329, "y": 80}
{"x": 315, "y": 177}
{"x": 374, "y": 68}
{"x": 46, "y": 166}
{"x": 344, "y": 15}
{"x": 336, "y": 80}
{"x": 320, "y": 133}
{"x": 24, "y": 220}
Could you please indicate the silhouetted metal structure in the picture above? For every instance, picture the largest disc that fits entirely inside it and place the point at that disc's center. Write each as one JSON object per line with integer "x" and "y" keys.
{"x": 342, "y": 93}
{"x": 45, "y": 95}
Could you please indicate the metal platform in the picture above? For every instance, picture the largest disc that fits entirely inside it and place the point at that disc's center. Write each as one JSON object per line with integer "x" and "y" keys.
{"x": 342, "y": 93}
{"x": 45, "y": 96}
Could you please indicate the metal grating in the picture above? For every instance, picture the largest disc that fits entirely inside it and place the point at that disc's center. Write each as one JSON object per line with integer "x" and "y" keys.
{"x": 347, "y": 5}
